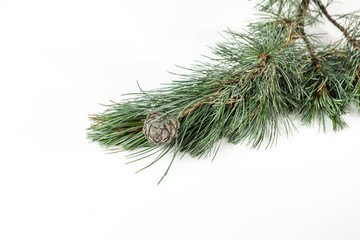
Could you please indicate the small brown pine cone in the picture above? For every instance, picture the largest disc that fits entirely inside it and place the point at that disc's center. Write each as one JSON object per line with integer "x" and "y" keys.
{"x": 159, "y": 129}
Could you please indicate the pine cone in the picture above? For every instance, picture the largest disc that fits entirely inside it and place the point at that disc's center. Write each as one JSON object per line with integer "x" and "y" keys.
{"x": 159, "y": 129}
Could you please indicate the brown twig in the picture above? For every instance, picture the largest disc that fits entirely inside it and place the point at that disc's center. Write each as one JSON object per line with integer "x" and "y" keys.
{"x": 352, "y": 40}
{"x": 357, "y": 78}
{"x": 256, "y": 110}
{"x": 98, "y": 124}
{"x": 138, "y": 129}
{"x": 304, "y": 7}
{"x": 355, "y": 43}
{"x": 114, "y": 102}
{"x": 196, "y": 105}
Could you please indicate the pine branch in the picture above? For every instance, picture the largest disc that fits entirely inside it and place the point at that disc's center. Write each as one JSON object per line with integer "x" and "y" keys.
{"x": 303, "y": 9}
{"x": 253, "y": 85}
{"x": 354, "y": 42}
{"x": 351, "y": 39}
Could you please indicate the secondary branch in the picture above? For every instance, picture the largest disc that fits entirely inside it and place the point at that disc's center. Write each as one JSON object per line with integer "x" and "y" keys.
{"x": 336, "y": 24}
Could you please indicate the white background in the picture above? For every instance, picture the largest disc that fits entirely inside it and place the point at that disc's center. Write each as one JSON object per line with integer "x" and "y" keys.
{"x": 59, "y": 59}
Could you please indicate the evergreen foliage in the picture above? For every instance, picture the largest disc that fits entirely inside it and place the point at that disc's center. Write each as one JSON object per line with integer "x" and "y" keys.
{"x": 250, "y": 89}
